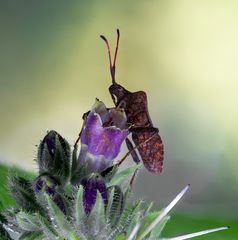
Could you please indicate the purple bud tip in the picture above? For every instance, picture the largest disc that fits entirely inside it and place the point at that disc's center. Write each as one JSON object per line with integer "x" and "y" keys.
{"x": 91, "y": 186}
{"x": 89, "y": 195}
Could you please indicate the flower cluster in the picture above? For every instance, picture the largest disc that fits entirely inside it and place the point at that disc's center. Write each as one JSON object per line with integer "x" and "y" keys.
{"x": 103, "y": 133}
{"x": 79, "y": 195}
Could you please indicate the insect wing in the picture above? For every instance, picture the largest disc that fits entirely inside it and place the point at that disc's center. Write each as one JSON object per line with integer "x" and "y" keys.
{"x": 150, "y": 147}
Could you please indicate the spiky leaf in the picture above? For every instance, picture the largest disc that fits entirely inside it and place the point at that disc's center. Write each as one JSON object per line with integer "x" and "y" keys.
{"x": 63, "y": 227}
{"x": 28, "y": 221}
{"x": 127, "y": 217}
{"x": 22, "y": 192}
{"x": 47, "y": 229}
{"x": 115, "y": 205}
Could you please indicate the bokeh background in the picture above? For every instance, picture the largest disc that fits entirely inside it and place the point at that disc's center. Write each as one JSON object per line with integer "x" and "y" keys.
{"x": 183, "y": 53}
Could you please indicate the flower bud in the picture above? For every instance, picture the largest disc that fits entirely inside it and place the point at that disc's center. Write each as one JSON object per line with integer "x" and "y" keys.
{"x": 91, "y": 186}
{"x": 54, "y": 156}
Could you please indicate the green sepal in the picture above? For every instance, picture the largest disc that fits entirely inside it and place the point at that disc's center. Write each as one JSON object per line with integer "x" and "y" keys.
{"x": 32, "y": 236}
{"x": 63, "y": 227}
{"x": 22, "y": 192}
{"x": 27, "y": 221}
{"x": 122, "y": 175}
{"x": 120, "y": 237}
{"x": 156, "y": 231}
{"x": 79, "y": 210}
{"x": 115, "y": 205}
{"x": 47, "y": 229}
{"x": 127, "y": 217}
{"x": 99, "y": 213}
{"x": 62, "y": 161}
{"x": 78, "y": 170}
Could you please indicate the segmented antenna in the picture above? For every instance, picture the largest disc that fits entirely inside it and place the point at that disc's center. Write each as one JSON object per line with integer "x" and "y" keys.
{"x": 112, "y": 66}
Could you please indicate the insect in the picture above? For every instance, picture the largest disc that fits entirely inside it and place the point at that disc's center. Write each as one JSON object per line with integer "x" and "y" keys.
{"x": 145, "y": 136}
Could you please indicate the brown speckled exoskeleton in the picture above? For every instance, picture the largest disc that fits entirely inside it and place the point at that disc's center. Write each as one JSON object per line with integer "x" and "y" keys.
{"x": 145, "y": 136}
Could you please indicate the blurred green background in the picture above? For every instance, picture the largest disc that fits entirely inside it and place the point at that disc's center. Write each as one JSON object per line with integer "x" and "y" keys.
{"x": 183, "y": 53}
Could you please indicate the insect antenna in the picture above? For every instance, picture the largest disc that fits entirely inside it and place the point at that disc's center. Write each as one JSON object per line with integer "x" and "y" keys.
{"x": 115, "y": 55}
{"x": 112, "y": 66}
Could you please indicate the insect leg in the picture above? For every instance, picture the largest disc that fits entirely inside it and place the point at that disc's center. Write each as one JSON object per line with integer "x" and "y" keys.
{"x": 136, "y": 147}
{"x": 84, "y": 122}
{"x": 134, "y": 154}
{"x": 132, "y": 181}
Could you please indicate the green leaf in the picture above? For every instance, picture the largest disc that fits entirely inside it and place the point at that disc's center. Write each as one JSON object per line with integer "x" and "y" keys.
{"x": 79, "y": 211}
{"x": 27, "y": 221}
{"x": 146, "y": 223}
{"x": 156, "y": 232}
{"x": 31, "y": 236}
{"x": 47, "y": 229}
{"x": 63, "y": 226}
{"x": 99, "y": 211}
{"x": 128, "y": 215}
{"x": 21, "y": 190}
{"x": 122, "y": 175}
{"x": 115, "y": 205}
{"x": 120, "y": 237}
{"x": 148, "y": 208}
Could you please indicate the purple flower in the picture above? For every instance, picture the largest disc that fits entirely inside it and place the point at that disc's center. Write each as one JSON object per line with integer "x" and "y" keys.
{"x": 91, "y": 186}
{"x": 102, "y": 137}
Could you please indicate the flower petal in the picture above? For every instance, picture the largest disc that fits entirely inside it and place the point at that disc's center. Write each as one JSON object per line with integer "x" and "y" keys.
{"x": 112, "y": 140}
{"x": 89, "y": 195}
{"x": 102, "y": 188}
{"x": 93, "y": 163}
{"x": 102, "y": 141}
{"x": 92, "y": 132}
{"x": 100, "y": 108}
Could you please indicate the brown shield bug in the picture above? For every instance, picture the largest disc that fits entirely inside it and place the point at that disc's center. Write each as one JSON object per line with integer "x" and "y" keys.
{"x": 145, "y": 136}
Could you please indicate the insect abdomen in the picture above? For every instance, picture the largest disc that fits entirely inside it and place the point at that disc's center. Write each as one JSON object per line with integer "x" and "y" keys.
{"x": 152, "y": 151}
